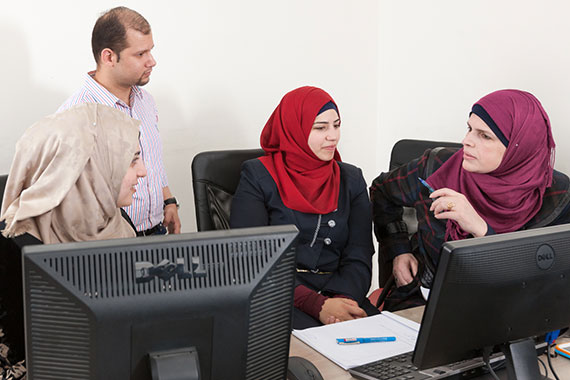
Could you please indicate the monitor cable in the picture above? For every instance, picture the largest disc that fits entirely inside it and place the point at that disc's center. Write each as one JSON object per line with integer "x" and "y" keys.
{"x": 550, "y": 361}
{"x": 545, "y": 376}
{"x": 550, "y": 338}
{"x": 487, "y": 360}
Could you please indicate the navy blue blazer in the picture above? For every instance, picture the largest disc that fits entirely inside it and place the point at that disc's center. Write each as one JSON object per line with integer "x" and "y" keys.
{"x": 334, "y": 251}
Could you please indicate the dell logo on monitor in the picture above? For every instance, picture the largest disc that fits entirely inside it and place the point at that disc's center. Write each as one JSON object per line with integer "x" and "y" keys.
{"x": 145, "y": 271}
{"x": 544, "y": 256}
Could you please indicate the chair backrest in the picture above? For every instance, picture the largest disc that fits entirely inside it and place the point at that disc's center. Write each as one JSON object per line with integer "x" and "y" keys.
{"x": 404, "y": 151}
{"x": 215, "y": 177}
{"x": 3, "y": 180}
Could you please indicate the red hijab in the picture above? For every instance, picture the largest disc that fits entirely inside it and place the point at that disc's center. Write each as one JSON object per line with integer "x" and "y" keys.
{"x": 509, "y": 196}
{"x": 305, "y": 182}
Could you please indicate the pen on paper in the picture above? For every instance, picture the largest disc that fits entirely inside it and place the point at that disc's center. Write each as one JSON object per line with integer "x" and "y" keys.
{"x": 374, "y": 339}
{"x": 423, "y": 182}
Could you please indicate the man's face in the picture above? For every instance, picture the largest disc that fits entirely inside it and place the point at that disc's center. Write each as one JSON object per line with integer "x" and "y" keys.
{"x": 136, "y": 62}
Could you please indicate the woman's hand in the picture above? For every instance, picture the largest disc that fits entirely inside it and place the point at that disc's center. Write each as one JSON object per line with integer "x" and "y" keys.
{"x": 404, "y": 268}
{"x": 450, "y": 204}
{"x": 340, "y": 309}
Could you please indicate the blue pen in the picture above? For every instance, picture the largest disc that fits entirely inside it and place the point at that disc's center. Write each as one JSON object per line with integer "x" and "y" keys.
{"x": 374, "y": 339}
{"x": 423, "y": 182}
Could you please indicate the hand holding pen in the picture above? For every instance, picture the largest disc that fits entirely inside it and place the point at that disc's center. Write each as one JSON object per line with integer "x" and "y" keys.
{"x": 426, "y": 185}
{"x": 450, "y": 204}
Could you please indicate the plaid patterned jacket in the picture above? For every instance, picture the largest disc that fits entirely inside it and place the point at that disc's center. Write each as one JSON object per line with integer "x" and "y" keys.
{"x": 392, "y": 191}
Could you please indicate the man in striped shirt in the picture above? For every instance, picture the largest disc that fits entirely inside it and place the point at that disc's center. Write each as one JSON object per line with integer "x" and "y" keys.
{"x": 122, "y": 43}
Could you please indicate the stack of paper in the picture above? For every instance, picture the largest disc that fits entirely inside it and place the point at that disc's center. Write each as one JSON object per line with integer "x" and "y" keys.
{"x": 323, "y": 339}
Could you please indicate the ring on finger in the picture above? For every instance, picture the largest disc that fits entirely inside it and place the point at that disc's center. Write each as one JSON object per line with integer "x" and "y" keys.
{"x": 450, "y": 206}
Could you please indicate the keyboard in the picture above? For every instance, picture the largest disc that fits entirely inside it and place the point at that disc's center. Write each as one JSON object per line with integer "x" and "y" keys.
{"x": 395, "y": 367}
{"x": 400, "y": 367}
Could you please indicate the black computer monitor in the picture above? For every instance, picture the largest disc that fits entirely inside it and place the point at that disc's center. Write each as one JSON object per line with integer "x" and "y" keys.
{"x": 146, "y": 308}
{"x": 496, "y": 292}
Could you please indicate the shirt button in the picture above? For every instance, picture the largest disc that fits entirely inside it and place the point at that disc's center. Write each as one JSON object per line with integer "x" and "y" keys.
{"x": 331, "y": 223}
{"x": 328, "y": 241}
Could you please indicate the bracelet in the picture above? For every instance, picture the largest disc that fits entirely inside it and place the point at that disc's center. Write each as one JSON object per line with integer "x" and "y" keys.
{"x": 170, "y": 201}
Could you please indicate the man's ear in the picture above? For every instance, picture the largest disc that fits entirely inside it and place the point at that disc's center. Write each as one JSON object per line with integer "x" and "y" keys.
{"x": 108, "y": 57}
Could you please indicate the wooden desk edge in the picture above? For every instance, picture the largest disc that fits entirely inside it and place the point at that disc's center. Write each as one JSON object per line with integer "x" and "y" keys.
{"x": 331, "y": 371}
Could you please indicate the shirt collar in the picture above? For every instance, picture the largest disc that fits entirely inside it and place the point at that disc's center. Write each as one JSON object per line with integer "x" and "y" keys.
{"x": 110, "y": 98}
{"x": 137, "y": 91}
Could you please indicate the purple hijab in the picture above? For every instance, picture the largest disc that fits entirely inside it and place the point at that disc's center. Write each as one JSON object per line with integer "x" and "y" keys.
{"x": 509, "y": 196}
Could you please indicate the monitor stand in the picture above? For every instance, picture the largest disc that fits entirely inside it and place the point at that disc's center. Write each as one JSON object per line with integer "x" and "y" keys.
{"x": 521, "y": 360}
{"x": 180, "y": 364}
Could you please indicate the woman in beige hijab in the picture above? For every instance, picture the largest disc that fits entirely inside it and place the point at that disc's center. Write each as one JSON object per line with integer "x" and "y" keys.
{"x": 66, "y": 176}
{"x": 70, "y": 174}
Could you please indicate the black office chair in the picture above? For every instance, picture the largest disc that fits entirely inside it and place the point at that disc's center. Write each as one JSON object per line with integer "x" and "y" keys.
{"x": 404, "y": 151}
{"x": 215, "y": 177}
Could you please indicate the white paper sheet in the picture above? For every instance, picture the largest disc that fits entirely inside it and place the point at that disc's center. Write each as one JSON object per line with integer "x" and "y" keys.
{"x": 323, "y": 339}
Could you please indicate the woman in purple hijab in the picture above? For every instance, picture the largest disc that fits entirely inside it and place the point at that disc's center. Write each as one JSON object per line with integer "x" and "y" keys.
{"x": 502, "y": 180}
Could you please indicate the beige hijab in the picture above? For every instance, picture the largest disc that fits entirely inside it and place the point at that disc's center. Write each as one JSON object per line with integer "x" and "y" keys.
{"x": 66, "y": 176}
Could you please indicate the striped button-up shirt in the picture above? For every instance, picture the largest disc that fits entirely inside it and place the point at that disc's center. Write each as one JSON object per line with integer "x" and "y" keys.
{"x": 147, "y": 208}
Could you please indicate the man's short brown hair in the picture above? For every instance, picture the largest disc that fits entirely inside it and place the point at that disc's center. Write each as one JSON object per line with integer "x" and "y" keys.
{"x": 110, "y": 30}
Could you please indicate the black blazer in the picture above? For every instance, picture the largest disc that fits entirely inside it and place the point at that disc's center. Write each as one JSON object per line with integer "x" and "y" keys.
{"x": 337, "y": 246}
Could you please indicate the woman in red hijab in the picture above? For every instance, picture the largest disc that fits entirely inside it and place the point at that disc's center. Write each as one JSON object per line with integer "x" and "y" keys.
{"x": 302, "y": 181}
{"x": 502, "y": 180}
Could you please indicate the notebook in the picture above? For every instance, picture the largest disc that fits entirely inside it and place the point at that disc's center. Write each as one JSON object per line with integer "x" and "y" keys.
{"x": 323, "y": 339}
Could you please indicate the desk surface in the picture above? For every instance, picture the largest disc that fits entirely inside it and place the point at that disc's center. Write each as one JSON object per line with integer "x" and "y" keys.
{"x": 331, "y": 371}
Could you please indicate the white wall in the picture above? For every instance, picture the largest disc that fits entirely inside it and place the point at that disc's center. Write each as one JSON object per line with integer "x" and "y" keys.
{"x": 222, "y": 68}
{"x": 437, "y": 58}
